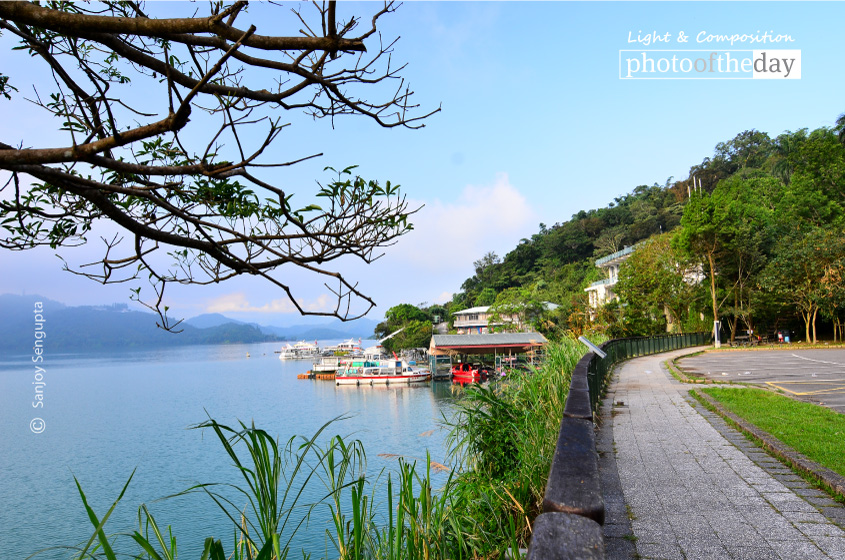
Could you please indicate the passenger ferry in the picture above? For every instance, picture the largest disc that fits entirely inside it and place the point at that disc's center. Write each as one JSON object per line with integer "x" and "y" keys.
{"x": 382, "y": 372}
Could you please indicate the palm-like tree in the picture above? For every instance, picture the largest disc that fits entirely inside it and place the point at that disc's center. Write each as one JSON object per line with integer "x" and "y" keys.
{"x": 785, "y": 146}
{"x": 840, "y": 128}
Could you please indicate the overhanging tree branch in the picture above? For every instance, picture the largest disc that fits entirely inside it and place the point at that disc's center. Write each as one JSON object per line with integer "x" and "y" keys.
{"x": 190, "y": 187}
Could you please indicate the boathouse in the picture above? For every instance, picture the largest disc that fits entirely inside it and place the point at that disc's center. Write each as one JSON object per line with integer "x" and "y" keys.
{"x": 503, "y": 347}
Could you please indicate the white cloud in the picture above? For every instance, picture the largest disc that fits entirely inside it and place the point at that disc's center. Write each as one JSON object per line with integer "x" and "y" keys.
{"x": 483, "y": 218}
{"x": 238, "y": 303}
{"x": 443, "y": 298}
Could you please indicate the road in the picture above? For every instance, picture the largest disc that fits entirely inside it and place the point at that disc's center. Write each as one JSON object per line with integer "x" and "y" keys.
{"x": 816, "y": 376}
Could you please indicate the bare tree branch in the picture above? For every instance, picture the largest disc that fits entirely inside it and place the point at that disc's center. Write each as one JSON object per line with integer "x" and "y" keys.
{"x": 184, "y": 180}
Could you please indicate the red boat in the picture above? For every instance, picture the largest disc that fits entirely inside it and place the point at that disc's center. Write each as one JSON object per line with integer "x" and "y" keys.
{"x": 466, "y": 372}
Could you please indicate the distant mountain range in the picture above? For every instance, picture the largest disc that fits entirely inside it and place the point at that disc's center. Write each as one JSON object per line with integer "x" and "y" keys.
{"x": 118, "y": 327}
{"x": 359, "y": 328}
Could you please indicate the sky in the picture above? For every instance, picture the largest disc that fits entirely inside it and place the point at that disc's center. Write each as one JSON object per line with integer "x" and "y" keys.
{"x": 537, "y": 123}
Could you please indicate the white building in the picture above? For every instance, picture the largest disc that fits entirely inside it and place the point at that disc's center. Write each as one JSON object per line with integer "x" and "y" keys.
{"x": 601, "y": 292}
{"x": 474, "y": 320}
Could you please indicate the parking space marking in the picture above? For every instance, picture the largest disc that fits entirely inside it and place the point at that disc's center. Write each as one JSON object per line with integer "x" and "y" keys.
{"x": 835, "y": 388}
{"x": 818, "y": 361}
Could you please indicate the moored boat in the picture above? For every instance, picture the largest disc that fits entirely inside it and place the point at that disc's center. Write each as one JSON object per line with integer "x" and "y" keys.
{"x": 329, "y": 364}
{"x": 288, "y": 353}
{"x": 382, "y": 372}
{"x": 466, "y": 372}
{"x": 305, "y": 350}
{"x": 346, "y": 348}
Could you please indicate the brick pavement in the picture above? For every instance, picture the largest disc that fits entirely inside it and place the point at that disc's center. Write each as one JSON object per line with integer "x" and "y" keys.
{"x": 694, "y": 488}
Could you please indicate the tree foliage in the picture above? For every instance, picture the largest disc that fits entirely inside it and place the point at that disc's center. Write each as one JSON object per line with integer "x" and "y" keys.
{"x": 656, "y": 285}
{"x": 804, "y": 271}
{"x": 416, "y": 326}
{"x": 516, "y": 309}
{"x": 184, "y": 169}
{"x": 739, "y": 219}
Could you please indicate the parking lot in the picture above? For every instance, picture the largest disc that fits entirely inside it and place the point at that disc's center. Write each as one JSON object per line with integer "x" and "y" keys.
{"x": 816, "y": 376}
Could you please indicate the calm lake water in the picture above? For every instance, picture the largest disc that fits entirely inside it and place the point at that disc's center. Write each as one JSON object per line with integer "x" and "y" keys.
{"x": 105, "y": 415}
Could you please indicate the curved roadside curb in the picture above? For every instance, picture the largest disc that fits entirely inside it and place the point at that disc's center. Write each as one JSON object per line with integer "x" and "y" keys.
{"x": 679, "y": 374}
{"x": 828, "y": 478}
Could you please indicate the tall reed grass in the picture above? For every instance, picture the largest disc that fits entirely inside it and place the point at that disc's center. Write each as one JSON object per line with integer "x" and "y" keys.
{"x": 502, "y": 439}
{"x": 268, "y": 509}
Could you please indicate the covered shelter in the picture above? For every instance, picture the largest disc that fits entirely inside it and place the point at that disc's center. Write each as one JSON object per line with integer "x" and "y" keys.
{"x": 502, "y": 346}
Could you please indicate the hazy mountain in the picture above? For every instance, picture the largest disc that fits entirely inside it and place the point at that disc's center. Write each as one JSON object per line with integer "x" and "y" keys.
{"x": 359, "y": 328}
{"x": 105, "y": 327}
{"x": 208, "y": 320}
{"x": 116, "y": 326}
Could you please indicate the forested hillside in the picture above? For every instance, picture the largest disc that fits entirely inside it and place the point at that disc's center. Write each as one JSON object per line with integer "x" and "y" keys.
{"x": 761, "y": 219}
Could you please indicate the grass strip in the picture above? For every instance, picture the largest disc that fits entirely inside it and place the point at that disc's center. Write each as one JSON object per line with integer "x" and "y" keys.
{"x": 679, "y": 374}
{"x": 805, "y": 435}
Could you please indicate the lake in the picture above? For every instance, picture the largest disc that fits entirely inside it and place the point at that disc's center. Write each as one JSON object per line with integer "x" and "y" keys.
{"x": 107, "y": 414}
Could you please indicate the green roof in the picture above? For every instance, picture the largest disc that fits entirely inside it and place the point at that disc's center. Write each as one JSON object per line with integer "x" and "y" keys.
{"x": 616, "y": 255}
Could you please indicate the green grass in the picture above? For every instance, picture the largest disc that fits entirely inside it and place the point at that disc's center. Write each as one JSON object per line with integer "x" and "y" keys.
{"x": 814, "y": 431}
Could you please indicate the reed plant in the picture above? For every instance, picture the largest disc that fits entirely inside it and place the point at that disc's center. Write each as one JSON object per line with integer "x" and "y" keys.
{"x": 502, "y": 439}
{"x": 269, "y": 507}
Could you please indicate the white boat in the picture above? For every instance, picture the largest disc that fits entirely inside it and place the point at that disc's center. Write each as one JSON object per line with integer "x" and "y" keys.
{"x": 382, "y": 372}
{"x": 306, "y": 349}
{"x": 348, "y": 347}
{"x": 329, "y": 364}
{"x": 288, "y": 353}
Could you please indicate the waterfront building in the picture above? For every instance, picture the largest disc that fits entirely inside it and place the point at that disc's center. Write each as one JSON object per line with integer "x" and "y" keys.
{"x": 475, "y": 320}
{"x": 478, "y": 320}
{"x": 601, "y": 292}
{"x": 504, "y": 349}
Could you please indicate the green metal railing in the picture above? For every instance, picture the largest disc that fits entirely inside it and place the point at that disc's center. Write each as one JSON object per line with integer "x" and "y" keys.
{"x": 620, "y": 349}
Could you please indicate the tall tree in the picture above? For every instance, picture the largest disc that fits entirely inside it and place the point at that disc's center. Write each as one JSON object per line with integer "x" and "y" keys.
{"x": 185, "y": 170}
{"x": 700, "y": 240}
{"x": 743, "y": 210}
{"x": 657, "y": 287}
{"x": 415, "y": 325}
{"x": 517, "y": 308}
{"x": 801, "y": 270}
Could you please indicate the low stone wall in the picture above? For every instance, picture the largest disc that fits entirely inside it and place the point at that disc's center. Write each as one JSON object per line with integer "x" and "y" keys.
{"x": 570, "y": 526}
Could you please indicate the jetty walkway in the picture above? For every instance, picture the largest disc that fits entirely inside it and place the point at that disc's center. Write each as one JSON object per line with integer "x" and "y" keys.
{"x": 681, "y": 484}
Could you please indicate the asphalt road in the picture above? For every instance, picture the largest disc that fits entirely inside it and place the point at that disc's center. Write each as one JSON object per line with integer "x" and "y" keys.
{"x": 816, "y": 376}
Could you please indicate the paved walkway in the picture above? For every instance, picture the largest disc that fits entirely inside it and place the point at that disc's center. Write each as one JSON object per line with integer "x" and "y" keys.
{"x": 695, "y": 488}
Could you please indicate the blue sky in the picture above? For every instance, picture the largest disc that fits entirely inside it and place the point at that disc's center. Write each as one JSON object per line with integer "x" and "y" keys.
{"x": 536, "y": 125}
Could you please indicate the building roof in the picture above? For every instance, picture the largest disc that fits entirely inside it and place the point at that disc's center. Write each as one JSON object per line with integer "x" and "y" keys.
{"x": 613, "y": 256}
{"x": 486, "y": 343}
{"x": 603, "y": 282}
{"x": 481, "y": 309}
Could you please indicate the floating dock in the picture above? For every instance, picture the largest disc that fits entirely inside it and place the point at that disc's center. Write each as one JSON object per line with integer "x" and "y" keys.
{"x": 316, "y": 375}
